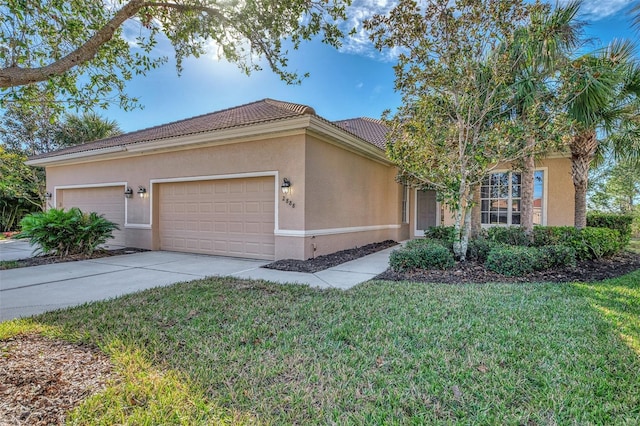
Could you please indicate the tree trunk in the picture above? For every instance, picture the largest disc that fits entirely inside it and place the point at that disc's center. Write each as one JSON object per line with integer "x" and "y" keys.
{"x": 526, "y": 188}
{"x": 476, "y": 214}
{"x": 462, "y": 222}
{"x": 583, "y": 148}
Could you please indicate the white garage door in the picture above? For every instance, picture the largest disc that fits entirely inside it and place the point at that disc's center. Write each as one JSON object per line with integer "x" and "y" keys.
{"x": 230, "y": 217}
{"x": 108, "y": 201}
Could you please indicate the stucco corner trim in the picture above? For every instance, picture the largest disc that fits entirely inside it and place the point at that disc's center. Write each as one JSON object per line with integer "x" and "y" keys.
{"x": 332, "y": 231}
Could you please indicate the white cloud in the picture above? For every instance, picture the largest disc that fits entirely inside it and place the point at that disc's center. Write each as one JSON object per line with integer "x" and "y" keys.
{"x": 357, "y": 13}
{"x": 595, "y": 10}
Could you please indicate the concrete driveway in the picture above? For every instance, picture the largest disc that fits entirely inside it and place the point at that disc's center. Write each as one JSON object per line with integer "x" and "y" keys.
{"x": 37, "y": 289}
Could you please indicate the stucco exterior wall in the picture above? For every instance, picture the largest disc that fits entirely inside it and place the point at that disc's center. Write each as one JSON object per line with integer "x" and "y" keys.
{"x": 560, "y": 203}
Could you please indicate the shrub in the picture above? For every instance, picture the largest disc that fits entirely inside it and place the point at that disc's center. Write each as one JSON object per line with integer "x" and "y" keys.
{"x": 555, "y": 256}
{"x": 479, "y": 248}
{"x": 589, "y": 243}
{"x": 63, "y": 233}
{"x": 599, "y": 242}
{"x": 423, "y": 255}
{"x": 620, "y": 222}
{"x": 514, "y": 260}
{"x": 443, "y": 233}
{"x": 512, "y": 235}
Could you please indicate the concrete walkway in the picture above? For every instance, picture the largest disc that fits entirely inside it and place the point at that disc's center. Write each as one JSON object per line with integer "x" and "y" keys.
{"x": 37, "y": 289}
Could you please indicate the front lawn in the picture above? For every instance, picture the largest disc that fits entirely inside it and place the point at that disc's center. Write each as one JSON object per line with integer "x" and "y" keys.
{"x": 381, "y": 353}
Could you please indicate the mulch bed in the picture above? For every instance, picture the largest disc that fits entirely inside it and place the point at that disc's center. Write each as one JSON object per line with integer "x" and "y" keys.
{"x": 48, "y": 259}
{"x": 473, "y": 272}
{"x": 321, "y": 263}
{"x": 42, "y": 379}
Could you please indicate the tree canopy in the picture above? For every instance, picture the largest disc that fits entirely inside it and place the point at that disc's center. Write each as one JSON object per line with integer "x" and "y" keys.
{"x": 77, "y": 52}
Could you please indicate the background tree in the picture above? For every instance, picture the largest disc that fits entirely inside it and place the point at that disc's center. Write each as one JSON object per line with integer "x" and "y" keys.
{"x": 76, "y": 51}
{"x": 454, "y": 76}
{"x": 30, "y": 131}
{"x": 601, "y": 91}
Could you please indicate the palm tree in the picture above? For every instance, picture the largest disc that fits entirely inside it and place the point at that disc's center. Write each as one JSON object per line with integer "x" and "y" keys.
{"x": 85, "y": 128}
{"x": 602, "y": 91}
{"x": 539, "y": 51}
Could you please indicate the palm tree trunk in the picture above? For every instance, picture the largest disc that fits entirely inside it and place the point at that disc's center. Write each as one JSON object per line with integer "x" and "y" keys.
{"x": 583, "y": 148}
{"x": 526, "y": 197}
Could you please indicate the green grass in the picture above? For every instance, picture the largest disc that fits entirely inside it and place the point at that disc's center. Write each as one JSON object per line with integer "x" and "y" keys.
{"x": 9, "y": 264}
{"x": 634, "y": 245}
{"x": 382, "y": 353}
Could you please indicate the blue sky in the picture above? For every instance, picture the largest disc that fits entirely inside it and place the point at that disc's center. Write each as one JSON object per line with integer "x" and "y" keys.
{"x": 354, "y": 81}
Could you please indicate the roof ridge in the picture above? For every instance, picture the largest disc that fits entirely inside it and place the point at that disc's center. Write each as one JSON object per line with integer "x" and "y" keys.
{"x": 297, "y": 108}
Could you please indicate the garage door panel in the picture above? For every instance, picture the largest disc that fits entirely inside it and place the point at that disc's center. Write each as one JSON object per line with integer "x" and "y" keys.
{"x": 107, "y": 201}
{"x": 234, "y": 217}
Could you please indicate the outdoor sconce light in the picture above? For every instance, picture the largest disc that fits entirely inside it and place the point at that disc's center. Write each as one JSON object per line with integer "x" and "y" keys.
{"x": 141, "y": 191}
{"x": 286, "y": 186}
{"x": 47, "y": 195}
{"x": 128, "y": 192}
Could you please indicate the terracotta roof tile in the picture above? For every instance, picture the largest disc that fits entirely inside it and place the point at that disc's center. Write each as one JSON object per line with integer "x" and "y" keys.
{"x": 369, "y": 129}
{"x": 262, "y": 111}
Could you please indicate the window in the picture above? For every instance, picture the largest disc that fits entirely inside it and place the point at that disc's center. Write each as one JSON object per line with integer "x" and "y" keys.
{"x": 405, "y": 204}
{"x": 500, "y": 198}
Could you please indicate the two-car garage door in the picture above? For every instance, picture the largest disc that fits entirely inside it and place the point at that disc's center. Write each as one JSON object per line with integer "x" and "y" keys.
{"x": 230, "y": 217}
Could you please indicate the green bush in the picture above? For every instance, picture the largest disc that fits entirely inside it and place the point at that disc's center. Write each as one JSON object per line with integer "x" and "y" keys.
{"x": 479, "y": 248}
{"x": 556, "y": 256}
{"x": 599, "y": 242}
{"x": 63, "y": 233}
{"x": 511, "y": 235}
{"x": 514, "y": 260}
{"x": 620, "y": 222}
{"x": 589, "y": 243}
{"x": 420, "y": 242}
{"x": 554, "y": 235}
{"x": 423, "y": 255}
{"x": 443, "y": 233}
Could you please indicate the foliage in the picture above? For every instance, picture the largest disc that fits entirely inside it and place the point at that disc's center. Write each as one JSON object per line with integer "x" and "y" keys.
{"x": 601, "y": 91}
{"x": 553, "y": 256}
{"x": 444, "y": 233}
{"x": 83, "y": 53}
{"x": 479, "y": 248}
{"x": 426, "y": 255}
{"x": 512, "y": 235}
{"x": 589, "y": 243}
{"x": 513, "y": 260}
{"x": 553, "y": 235}
{"x": 621, "y": 223}
{"x": 64, "y": 233}
{"x": 615, "y": 187}
{"x": 21, "y": 189}
{"x": 454, "y": 79}
{"x": 36, "y": 129}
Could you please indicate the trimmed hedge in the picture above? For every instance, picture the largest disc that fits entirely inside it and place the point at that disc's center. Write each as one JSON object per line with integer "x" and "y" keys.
{"x": 513, "y": 260}
{"x": 589, "y": 243}
{"x": 424, "y": 255}
{"x": 620, "y": 222}
{"x": 443, "y": 233}
{"x": 557, "y": 256}
{"x": 479, "y": 248}
{"x": 512, "y": 235}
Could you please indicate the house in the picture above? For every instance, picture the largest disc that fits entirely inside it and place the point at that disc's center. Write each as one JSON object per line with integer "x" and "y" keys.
{"x": 268, "y": 180}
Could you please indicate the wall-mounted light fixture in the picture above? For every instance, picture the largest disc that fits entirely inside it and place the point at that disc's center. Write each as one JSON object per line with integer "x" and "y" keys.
{"x": 286, "y": 186}
{"x": 141, "y": 191}
{"x": 47, "y": 195}
{"x": 128, "y": 192}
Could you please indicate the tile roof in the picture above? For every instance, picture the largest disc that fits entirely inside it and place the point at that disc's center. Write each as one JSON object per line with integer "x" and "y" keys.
{"x": 262, "y": 111}
{"x": 369, "y": 129}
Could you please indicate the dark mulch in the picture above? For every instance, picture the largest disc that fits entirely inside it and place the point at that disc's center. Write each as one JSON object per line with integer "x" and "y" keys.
{"x": 473, "y": 272}
{"x": 321, "y": 263}
{"x": 48, "y": 259}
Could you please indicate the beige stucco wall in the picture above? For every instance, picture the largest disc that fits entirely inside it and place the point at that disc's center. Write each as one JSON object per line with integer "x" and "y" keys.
{"x": 560, "y": 201}
{"x": 331, "y": 188}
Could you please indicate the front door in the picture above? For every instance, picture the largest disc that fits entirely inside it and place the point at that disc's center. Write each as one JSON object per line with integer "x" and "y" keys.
{"x": 426, "y": 211}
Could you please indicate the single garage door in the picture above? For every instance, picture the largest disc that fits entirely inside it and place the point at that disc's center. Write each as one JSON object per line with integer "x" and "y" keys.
{"x": 108, "y": 201}
{"x": 230, "y": 217}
